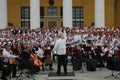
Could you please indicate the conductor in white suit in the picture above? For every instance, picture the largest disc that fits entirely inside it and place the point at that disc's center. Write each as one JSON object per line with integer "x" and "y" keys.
{"x": 60, "y": 49}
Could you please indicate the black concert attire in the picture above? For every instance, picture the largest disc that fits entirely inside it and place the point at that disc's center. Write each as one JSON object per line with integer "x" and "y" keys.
{"x": 26, "y": 61}
{"x": 14, "y": 65}
{"x": 91, "y": 61}
{"x": 98, "y": 57}
{"x": 76, "y": 59}
{"x": 1, "y": 60}
{"x": 62, "y": 61}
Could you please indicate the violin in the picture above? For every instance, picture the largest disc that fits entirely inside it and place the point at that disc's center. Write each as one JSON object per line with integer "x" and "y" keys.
{"x": 36, "y": 62}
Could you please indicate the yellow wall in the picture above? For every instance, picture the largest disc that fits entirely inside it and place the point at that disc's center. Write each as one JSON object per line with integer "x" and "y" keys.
{"x": 14, "y": 12}
{"x": 25, "y": 3}
{"x": 111, "y": 17}
{"x": 88, "y": 12}
{"x": 117, "y": 13}
{"x": 109, "y": 12}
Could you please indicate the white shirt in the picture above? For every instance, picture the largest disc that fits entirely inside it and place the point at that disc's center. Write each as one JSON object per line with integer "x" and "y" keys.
{"x": 77, "y": 37}
{"x": 110, "y": 52}
{"x": 7, "y": 55}
{"x": 40, "y": 53}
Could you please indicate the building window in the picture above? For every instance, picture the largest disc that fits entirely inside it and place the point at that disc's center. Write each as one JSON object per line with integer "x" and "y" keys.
{"x": 41, "y": 12}
{"x": 52, "y": 11}
{"x": 25, "y": 16}
{"x": 25, "y": 23}
{"x": 78, "y": 16}
{"x": 61, "y": 12}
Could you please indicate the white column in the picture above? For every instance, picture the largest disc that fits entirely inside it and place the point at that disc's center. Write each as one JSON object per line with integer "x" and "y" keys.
{"x": 3, "y": 14}
{"x": 99, "y": 13}
{"x": 34, "y": 14}
{"x": 67, "y": 13}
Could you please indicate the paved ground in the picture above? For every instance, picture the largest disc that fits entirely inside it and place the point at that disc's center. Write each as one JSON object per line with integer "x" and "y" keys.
{"x": 79, "y": 75}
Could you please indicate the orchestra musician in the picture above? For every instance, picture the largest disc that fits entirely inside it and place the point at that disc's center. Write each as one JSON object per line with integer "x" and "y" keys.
{"x": 76, "y": 58}
{"x": 48, "y": 59}
{"x": 98, "y": 57}
{"x": 117, "y": 45}
{"x": 25, "y": 58}
{"x": 40, "y": 53}
{"x": 117, "y": 52}
{"x": 14, "y": 64}
{"x": 6, "y": 63}
{"x": 108, "y": 55}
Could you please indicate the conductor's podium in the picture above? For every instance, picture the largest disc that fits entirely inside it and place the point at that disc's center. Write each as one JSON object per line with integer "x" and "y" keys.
{"x": 62, "y": 76}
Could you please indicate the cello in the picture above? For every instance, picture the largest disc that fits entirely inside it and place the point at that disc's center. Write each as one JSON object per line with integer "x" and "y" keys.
{"x": 36, "y": 62}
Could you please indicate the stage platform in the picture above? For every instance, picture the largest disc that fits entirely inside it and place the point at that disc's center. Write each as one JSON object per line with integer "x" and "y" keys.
{"x": 62, "y": 76}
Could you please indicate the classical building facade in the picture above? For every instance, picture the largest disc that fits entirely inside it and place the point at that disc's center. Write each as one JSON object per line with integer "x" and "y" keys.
{"x": 44, "y": 13}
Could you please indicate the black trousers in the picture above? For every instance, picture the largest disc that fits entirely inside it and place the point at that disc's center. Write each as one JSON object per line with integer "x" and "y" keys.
{"x": 26, "y": 64}
{"x": 110, "y": 63}
{"x": 43, "y": 60}
{"x": 62, "y": 61}
{"x": 6, "y": 69}
{"x": 13, "y": 66}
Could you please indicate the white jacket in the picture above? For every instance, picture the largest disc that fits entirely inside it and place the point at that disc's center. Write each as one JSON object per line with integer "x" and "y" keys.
{"x": 60, "y": 45}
